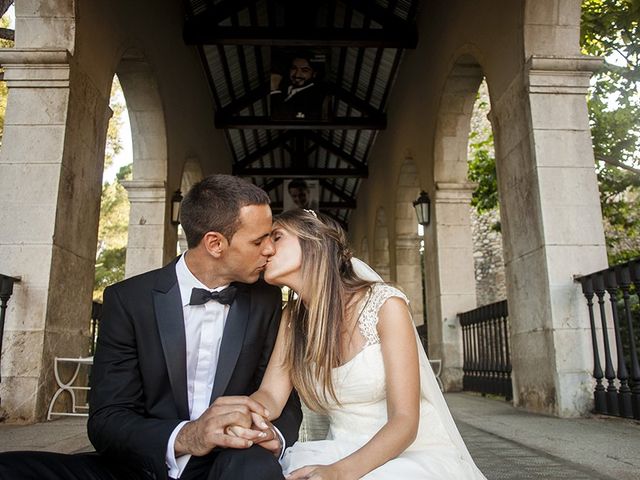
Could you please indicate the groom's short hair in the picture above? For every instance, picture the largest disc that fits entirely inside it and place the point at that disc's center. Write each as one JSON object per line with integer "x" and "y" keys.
{"x": 213, "y": 205}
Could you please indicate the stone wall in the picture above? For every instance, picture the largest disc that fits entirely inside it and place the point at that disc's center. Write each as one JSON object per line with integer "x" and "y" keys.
{"x": 487, "y": 256}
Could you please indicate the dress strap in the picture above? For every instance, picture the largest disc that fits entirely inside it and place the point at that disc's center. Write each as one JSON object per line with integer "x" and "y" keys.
{"x": 368, "y": 319}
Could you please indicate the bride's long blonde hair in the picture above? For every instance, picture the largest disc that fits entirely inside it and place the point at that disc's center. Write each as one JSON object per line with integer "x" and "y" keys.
{"x": 313, "y": 340}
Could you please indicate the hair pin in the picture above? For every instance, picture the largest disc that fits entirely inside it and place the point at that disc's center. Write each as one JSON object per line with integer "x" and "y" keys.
{"x": 312, "y": 212}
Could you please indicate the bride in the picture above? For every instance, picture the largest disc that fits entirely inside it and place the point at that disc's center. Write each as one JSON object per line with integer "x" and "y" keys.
{"x": 348, "y": 345}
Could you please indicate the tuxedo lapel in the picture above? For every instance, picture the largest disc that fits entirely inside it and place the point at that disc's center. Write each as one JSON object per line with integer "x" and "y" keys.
{"x": 170, "y": 319}
{"x": 232, "y": 340}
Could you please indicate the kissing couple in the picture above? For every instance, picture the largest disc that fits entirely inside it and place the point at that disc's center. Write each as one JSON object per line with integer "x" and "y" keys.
{"x": 198, "y": 371}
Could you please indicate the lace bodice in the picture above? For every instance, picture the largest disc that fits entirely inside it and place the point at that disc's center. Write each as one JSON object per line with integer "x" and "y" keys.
{"x": 375, "y": 298}
{"x": 361, "y": 411}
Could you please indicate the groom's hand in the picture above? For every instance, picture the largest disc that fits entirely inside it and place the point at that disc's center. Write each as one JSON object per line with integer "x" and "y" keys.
{"x": 262, "y": 432}
{"x": 271, "y": 440}
{"x": 200, "y": 436}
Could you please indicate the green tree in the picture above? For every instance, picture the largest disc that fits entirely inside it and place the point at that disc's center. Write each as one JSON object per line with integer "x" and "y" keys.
{"x": 610, "y": 29}
{"x": 114, "y": 205}
{"x": 112, "y": 233}
{"x": 482, "y": 162}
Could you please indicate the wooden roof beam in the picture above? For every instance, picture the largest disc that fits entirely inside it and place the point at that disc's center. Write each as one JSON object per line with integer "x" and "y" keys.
{"x": 264, "y": 150}
{"x": 336, "y": 123}
{"x": 336, "y": 191}
{"x": 297, "y": 172}
{"x": 335, "y": 150}
{"x": 202, "y": 33}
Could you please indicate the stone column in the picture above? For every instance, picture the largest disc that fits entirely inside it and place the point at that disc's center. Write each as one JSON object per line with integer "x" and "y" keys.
{"x": 409, "y": 273}
{"x": 147, "y": 226}
{"x": 552, "y": 230}
{"x": 381, "y": 247}
{"x": 50, "y": 179}
{"x": 449, "y": 260}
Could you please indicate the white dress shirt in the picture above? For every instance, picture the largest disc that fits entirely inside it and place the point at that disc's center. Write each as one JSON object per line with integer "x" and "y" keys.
{"x": 203, "y": 326}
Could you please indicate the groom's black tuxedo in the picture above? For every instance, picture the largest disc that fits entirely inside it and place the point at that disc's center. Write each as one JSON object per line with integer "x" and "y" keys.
{"x": 139, "y": 376}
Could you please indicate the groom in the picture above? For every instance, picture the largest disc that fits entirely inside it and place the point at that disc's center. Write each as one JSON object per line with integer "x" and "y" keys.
{"x": 179, "y": 350}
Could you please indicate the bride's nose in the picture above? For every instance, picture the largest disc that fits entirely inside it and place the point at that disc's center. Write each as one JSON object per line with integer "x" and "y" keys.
{"x": 269, "y": 248}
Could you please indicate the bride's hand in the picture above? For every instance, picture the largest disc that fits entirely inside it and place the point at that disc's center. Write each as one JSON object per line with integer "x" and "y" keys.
{"x": 258, "y": 433}
{"x": 316, "y": 472}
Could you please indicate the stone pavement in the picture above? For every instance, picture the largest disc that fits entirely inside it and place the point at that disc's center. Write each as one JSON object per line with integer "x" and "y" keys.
{"x": 507, "y": 444}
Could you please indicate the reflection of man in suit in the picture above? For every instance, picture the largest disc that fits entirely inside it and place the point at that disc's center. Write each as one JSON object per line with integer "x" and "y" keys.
{"x": 300, "y": 194}
{"x": 172, "y": 369}
{"x": 303, "y": 96}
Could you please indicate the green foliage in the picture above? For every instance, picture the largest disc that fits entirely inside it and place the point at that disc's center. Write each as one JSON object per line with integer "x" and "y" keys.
{"x": 610, "y": 29}
{"x": 114, "y": 204}
{"x": 482, "y": 162}
{"x": 109, "y": 269}
{"x": 482, "y": 170}
{"x": 112, "y": 233}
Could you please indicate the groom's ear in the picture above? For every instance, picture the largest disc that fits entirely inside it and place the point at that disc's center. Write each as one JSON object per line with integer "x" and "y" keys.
{"x": 215, "y": 243}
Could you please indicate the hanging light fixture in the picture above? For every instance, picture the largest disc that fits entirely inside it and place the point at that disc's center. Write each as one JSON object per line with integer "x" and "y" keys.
{"x": 422, "y": 204}
{"x": 176, "y": 200}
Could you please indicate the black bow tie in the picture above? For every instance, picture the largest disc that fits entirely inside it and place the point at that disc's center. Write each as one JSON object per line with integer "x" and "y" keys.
{"x": 200, "y": 296}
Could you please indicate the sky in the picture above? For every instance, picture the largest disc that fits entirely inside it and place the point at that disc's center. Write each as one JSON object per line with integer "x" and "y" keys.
{"x": 126, "y": 154}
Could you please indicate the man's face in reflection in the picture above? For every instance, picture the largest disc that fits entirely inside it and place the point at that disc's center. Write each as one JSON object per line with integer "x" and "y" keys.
{"x": 301, "y": 72}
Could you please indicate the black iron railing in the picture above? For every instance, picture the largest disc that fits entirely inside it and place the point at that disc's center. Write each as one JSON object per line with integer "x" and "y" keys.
{"x": 487, "y": 358}
{"x": 96, "y": 316}
{"x": 615, "y": 337}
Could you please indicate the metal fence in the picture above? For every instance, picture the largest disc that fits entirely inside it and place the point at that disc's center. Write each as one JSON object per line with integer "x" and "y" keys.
{"x": 487, "y": 358}
{"x": 615, "y": 336}
{"x": 96, "y": 316}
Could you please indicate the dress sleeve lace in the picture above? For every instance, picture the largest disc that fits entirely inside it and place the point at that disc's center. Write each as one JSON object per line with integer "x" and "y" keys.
{"x": 368, "y": 321}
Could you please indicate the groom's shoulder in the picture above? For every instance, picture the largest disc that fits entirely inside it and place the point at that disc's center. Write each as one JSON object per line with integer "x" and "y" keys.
{"x": 147, "y": 280}
{"x": 262, "y": 291}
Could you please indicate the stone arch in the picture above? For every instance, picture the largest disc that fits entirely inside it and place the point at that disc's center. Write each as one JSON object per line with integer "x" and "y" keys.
{"x": 191, "y": 174}
{"x": 448, "y": 242}
{"x": 407, "y": 241}
{"x": 152, "y": 238}
{"x": 380, "y": 260}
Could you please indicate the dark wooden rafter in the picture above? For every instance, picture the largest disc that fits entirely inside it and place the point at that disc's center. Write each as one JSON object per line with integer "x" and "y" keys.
{"x": 209, "y": 34}
{"x": 349, "y": 205}
{"x": 356, "y": 81}
{"x": 246, "y": 83}
{"x": 296, "y": 172}
{"x": 350, "y": 98}
{"x": 329, "y": 213}
{"x": 217, "y": 13}
{"x": 335, "y": 190}
{"x": 260, "y": 69}
{"x": 270, "y": 151}
{"x": 266, "y": 123}
{"x": 263, "y": 150}
{"x": 333, "y": 149}
{"x": 272, "y": 184}
{"x": 381, "y": 15}
{"x": 250, "y": 98}
{"x": 262, "y": 92}
{"x": 341, "y": 68}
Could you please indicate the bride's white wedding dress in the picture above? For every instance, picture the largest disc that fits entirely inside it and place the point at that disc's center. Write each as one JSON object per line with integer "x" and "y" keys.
{"x": 360, "y": 388}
